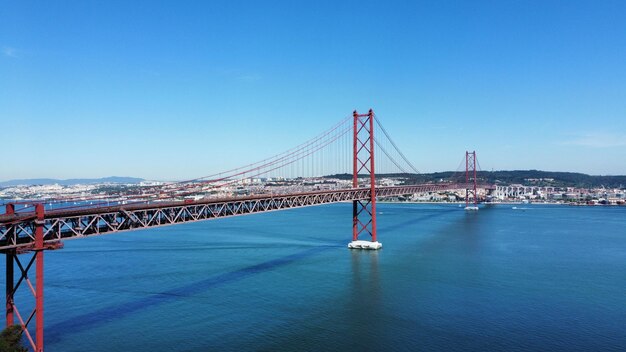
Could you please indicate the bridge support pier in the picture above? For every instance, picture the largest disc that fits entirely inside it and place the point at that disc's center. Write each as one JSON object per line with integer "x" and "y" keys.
{"x": 364, "y": 210}
{"x": 36, "y": 341}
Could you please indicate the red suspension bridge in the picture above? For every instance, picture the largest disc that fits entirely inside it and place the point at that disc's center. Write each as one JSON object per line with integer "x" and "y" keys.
{"x": 277, "y": 183}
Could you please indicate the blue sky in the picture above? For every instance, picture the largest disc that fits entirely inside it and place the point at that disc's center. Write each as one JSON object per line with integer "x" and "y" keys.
{"x": 174, "y": 90}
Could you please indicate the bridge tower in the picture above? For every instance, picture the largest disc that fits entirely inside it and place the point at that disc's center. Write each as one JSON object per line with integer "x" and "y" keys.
{"x": 470, "y": 180}
{"x": 364, "y": 210}
{"x": 25, "y": 321}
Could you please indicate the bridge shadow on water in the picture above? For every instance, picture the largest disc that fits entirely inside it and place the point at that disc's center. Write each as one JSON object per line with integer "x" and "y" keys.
{"x": 106, "y": 315}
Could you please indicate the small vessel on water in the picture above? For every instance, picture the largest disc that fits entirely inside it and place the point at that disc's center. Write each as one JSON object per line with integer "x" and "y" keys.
{"x": 471, "y": 208}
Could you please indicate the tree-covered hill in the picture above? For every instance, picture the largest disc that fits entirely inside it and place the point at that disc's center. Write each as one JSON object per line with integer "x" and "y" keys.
{"x": 524, "y": 177}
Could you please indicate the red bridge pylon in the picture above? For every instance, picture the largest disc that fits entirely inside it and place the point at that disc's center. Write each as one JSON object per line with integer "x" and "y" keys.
{"x": 364, "y": 210}
{"x": 470, "y": 179}
{"x": 26, "y": 321}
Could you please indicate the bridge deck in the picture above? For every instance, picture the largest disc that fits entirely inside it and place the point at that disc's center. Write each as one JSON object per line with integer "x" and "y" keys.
{"x": 17, "y": 230}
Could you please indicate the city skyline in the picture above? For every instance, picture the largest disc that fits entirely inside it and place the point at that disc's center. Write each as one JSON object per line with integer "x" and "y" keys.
{"x": 93, "y": 90}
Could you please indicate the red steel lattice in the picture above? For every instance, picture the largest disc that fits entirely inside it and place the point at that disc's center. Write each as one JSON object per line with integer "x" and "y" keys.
{"x": 470, "y": 178}
{"x": 12, "y": 311}
{"x": 364, "y": 210}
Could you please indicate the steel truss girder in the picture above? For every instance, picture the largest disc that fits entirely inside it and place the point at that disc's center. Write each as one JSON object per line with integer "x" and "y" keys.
{"x": 18, "y": 231}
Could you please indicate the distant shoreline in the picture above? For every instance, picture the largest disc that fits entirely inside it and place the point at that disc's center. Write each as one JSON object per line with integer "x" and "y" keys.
{"x": 501, "y": 203}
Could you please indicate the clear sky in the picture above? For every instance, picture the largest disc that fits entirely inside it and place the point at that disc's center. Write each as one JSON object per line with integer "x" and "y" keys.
{"x": 180, "y": 89}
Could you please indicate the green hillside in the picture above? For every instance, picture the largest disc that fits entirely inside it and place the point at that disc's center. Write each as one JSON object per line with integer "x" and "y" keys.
{"x": 524, "y": 177}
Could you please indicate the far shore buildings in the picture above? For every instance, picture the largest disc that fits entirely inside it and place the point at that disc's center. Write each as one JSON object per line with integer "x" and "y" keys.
{"x": 279, "y": 185}
{"x": 521, "y": 192}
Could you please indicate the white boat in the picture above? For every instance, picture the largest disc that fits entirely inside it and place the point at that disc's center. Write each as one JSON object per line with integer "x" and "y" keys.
{"x": 471, "y": 208}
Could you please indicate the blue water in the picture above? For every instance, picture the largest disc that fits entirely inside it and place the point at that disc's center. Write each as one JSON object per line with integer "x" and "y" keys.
{"x": 549, "y": 278}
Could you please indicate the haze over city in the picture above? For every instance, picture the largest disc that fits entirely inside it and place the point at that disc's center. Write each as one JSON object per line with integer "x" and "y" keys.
{"x": 171, "y": 91}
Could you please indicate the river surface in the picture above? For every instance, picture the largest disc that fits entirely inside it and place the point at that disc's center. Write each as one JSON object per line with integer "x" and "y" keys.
{"x": 506, "y": 278}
